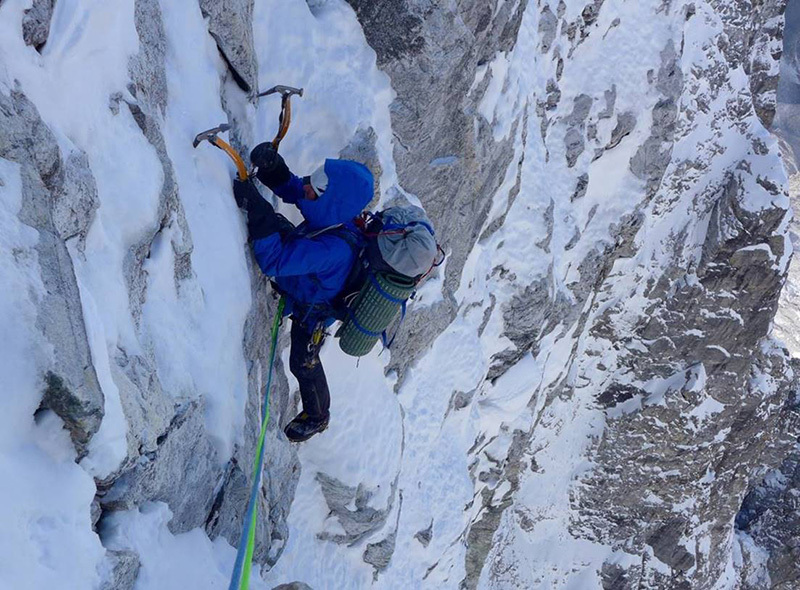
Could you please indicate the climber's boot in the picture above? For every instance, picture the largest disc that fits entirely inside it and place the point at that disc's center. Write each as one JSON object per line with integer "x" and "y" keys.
{"x": 304, "y": 427}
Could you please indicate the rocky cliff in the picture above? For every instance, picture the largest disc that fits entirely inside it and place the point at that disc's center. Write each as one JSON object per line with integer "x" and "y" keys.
{"x": 590, "y": 394}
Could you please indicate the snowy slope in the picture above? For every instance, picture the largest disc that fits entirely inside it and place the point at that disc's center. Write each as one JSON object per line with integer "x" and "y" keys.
{"x": 581, "y": 398}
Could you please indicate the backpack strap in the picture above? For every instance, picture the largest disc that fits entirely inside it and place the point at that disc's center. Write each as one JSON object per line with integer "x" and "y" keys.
{"x": 351, "y": 234}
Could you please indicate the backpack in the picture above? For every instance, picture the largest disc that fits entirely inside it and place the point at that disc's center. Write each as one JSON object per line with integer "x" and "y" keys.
{"x": 395, "y": 250}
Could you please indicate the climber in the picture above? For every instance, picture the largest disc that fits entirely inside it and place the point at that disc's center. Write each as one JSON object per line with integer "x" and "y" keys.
{"x": 310, "y": 265}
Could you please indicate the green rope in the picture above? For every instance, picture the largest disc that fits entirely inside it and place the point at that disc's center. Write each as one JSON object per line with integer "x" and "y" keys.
{"x": 240, "y": 580}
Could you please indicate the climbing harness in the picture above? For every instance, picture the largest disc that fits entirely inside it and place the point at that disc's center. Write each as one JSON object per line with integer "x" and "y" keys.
{"x": 240, "y": 579}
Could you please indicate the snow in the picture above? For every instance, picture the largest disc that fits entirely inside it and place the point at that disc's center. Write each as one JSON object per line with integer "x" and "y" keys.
{"x": 47, "y": 539}
{"x": 431, "y": 290}
{"x": 209, "y": 310}
{"x": 414, "y": 439}
{"x": 325, "y": 52}
{"x": 108, "y": 447}
{"x": 433, "y": 471}
{"x": 360, "y": 415}
{"x": 498, "y": 70}
{"x": 188, "y": 560}
{"x": 84, "y": 62}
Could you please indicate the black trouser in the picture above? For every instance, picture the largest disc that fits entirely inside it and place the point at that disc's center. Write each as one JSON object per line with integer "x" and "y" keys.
{"x": 305, "y": 365}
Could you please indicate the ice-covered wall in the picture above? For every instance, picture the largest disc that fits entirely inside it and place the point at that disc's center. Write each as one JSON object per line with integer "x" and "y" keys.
{"x": 587, "y": 395}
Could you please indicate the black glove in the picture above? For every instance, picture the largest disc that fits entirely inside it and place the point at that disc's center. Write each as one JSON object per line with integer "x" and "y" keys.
{"x": 272, "y": 170}
{"x": 285, "y": 227}
{"x": 265, "y": 156}
{"x": 244, "y": 192}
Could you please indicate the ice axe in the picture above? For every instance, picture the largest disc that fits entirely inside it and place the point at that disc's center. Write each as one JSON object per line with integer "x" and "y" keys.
{"x": 285, "y": 117}
{"x": 210, "y": 135}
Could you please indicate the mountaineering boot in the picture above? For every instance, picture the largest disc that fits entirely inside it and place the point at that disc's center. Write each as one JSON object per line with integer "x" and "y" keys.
{"x": 304, "y": 427}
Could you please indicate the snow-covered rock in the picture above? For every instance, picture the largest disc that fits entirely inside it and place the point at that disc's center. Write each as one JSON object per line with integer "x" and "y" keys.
{"x": 589, "y": 394}
{"x": 58, "y": 200}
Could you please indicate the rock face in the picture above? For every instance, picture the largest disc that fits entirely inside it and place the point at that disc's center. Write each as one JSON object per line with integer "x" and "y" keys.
{"x": 182, "y": 460}
{"x": 219, "y": 492}
{"x": 230, "y": 24}
{"x": 59, "y": 199}
{"x": 619, "y": 230}
{"x": 293, "y": 586}
{"x": 125, "y": 570}
{"x": 445, "y": 154}
{"x": 36, "y": 24}
{"x": 701, "y": 326}
{"x": 768, "y": 522}
{"x": 357, "y": 523}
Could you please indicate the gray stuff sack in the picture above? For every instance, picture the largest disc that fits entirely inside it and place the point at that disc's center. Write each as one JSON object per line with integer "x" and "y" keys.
{"x": 412, "y": 252}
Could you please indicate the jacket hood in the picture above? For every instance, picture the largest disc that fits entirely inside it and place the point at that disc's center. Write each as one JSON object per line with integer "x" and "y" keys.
{"x": 350, "y": 189}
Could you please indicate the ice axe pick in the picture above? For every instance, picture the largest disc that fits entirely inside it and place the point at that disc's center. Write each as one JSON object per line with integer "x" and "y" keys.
{"x": 210, "y": 135}
{"x": 285, "y": 117}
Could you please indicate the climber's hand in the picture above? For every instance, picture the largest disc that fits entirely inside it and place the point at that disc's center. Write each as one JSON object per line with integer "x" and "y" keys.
{"x": 265, "y": 157}
{"x": 272, "y": 170}
{"x": 244, "y": 192}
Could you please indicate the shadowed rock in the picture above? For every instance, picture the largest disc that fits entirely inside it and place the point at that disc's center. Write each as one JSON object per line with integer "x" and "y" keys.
{"x": 548, "y": 27}
{"x": 36, "y": 23}
{"x": 183, "y": 460}
{"x": 125, "y": 570}
{"x": 362, "y": 148}
{"x": 230, "y": 24}
{"x": 435, "y": 115}
{"x": 358, "y": 523}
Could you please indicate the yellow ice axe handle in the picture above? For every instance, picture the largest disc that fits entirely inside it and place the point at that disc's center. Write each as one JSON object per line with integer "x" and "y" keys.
{"x": 237, "y": 159}
{"x": 284, "y": 120}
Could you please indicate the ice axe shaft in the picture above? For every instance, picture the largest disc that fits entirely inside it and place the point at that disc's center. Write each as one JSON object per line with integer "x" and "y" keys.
{"x": 210, "y": 135}
{"x": 285, "y": 118}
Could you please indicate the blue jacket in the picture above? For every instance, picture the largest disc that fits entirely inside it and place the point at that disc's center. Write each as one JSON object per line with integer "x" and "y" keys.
{"x": 312, "y": 269}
